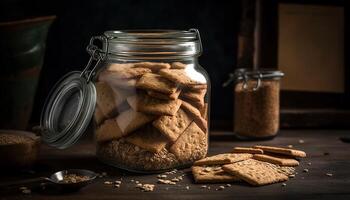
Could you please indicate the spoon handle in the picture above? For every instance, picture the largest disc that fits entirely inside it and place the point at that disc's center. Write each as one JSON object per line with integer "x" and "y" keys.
{"x": 22, "y": 183}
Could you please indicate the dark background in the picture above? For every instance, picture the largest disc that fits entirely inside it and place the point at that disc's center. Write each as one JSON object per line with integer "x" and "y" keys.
{"x": 219, "y": 23}
{"x": 77, "y": 21}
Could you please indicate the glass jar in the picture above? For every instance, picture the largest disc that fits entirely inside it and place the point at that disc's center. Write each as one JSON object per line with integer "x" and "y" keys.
{"x": 256, "y": 108}
{"x": 149, "y": 100}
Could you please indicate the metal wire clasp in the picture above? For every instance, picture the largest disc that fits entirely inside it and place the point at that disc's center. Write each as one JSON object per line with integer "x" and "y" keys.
{"x": 198, "y": 37}
{"x": 96, "y": 54}
{"x": 244, "y": 77}
{"x": 257, "y": 85}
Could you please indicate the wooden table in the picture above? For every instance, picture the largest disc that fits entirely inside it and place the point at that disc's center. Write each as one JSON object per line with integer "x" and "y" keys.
{"x": 326, "y": 154}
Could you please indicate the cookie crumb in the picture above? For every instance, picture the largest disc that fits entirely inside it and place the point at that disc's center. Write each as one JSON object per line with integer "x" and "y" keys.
{"x": 329, "y": 174}
{"x": 117, "y": 182}
{"x": 171, "y": 172}
{"x": 284, "y": 184}
{"x": 117, "y": 185}
{"x": 290, "y": 146}
{"x": 26, "y": 191}
{"x": 23, "y": 188}
{"x": 138, "y": 185}
{"x": 301, "y": 141}
{"x": 208, "y": 187}
{"x": 108, "y": 182}
{"x": 187, "y": 187}
{"x": 292, "y": 176}
{"x": 203, "y": 186}
{"x": 306, "y": 170}
{"x": 169, "y": 182}
{"x": 175, "y": 180}
{"x": 221, "y": 187}
{"x": 162, "y": 176}
{"x": 309, "y": 163}
{"x": 147, "y": 187}
{"x": 228, "y": 185}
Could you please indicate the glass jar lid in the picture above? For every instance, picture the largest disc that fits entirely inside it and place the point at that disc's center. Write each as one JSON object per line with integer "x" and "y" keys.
{"x": 68, "y": 110}
{"x": 154, "y": 44}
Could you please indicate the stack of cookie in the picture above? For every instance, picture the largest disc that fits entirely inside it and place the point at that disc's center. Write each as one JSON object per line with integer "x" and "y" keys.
{"x": 151, "y": 116}
{"x": 258, "y": 165}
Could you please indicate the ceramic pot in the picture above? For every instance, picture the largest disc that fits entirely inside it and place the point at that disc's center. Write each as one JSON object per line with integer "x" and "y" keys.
{"x": 22, "y": 50}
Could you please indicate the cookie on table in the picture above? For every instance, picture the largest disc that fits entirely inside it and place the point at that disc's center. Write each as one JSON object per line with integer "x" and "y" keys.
{"x": 212, "y": 174}
{"x": 283, "y": 151}
{"x": 178, "y": 65}
{"x": 154, "y": 66}
{"x": 163, "y": 96}
{"x": 148, "y": 138}
{"x": 196, "y": 115}
{"x": 184, "y": 77}
{"x": 288, "y": 171}
{"x": 109, "y": 130}
{"x": 147, "y": 104}
{"x": 247, "y": 150}
{"x": 190, "y": 145}
{"x": 278, "y": 160}
{"x": 156, "y": 83}
{"x": 225, "y": 158}
{"x": 255, "y": 172}
{"x": 131, "y": 120}
{"x": 173, "y": 126}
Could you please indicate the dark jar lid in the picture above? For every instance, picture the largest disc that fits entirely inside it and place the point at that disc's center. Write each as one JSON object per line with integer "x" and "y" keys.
{"x": 68, "y": 110}
{"x": 245, "y": 74}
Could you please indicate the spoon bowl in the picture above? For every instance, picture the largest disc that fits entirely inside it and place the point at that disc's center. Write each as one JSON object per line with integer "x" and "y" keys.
{"x": 58, "y": 178}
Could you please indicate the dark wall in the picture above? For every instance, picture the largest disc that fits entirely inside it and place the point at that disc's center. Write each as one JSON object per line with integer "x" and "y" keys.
{"x": 77, "y": 21}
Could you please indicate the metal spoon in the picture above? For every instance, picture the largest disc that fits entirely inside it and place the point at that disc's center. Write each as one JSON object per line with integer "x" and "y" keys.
{"x": 57, "y": 180}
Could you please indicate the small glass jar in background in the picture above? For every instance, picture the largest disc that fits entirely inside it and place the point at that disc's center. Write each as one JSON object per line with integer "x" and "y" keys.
{"x": 257, "y": 105}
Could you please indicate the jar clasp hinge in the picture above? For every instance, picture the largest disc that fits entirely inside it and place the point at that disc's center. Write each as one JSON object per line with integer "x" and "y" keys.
{"x": 238, "y": 76}
{"x": 97, "y": 55}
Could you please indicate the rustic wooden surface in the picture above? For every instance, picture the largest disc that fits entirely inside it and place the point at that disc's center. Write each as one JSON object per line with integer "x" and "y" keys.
{"x": 326, "y": 154}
